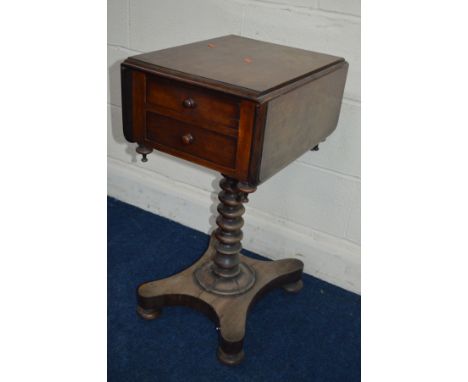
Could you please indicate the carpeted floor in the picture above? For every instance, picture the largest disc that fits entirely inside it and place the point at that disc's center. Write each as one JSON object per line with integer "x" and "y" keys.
{"x": 311, "y": 336}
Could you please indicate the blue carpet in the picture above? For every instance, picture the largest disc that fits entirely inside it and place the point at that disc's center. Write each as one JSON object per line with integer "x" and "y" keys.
{"x": 311, "y": 336}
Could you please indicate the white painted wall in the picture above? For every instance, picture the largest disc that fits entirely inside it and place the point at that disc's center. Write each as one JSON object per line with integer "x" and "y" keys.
{"x": 312, "y": 208}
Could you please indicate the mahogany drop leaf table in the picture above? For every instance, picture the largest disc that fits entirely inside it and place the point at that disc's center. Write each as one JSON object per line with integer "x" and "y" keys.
{"x": 246, "y": 109}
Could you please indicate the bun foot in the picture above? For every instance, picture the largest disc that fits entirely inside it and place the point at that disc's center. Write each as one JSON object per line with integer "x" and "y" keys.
{"x": 293, "y": 287}
{"x": 148, "y": 314}
{"x": 230, "y": 359}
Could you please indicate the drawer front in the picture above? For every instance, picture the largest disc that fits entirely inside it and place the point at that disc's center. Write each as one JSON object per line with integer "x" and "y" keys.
{"x": 186, "y": 140}
{"x": 192, "y": 104}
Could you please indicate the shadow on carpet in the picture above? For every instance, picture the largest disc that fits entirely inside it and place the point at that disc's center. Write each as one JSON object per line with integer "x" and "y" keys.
{"x": 311, "y": 336}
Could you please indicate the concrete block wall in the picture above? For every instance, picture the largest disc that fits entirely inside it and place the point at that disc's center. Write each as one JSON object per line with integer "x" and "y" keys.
{"x": 310, "y": 210}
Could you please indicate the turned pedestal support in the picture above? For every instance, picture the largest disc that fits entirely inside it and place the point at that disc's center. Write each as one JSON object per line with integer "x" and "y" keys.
{"x": 223, "y": 283}
{"x": 225, "y": 274}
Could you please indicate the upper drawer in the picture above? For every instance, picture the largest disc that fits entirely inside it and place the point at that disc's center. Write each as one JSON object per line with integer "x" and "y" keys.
{"x": 191, "y": 103}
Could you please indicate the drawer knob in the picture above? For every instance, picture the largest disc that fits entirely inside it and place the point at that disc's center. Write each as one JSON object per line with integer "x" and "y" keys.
{"x": 187, "y": 138}
{"x": 189, "y": 103}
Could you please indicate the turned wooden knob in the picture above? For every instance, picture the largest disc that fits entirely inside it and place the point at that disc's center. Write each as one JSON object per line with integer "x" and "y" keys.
{"x": 187, "y": 138}
{"x": 144, "y": 151}
{"x": 189, "y": 103}
{"x": 245, "y": 190}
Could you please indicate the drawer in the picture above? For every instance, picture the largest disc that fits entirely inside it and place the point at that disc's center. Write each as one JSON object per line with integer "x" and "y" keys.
{"x": 190, "y": 141}
{"x": 191, "y": 103}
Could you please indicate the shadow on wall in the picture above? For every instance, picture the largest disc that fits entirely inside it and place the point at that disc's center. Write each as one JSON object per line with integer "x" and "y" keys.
{"x": 214, "y": 202}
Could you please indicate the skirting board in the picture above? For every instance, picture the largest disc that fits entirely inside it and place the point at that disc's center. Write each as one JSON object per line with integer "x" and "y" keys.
{"x": 326, "y": 257}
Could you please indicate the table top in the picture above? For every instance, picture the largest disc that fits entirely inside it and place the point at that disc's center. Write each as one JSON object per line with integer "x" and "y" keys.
{"x": 238, "y": 63}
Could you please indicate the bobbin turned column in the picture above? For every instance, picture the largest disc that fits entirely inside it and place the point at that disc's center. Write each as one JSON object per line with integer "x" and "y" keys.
{"x": 225, "y": 274}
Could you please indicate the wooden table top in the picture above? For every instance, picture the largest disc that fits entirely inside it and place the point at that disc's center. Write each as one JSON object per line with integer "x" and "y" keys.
{"x": 237, "y": 63}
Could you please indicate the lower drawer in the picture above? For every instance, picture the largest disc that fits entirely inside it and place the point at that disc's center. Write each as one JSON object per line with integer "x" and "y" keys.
{"x": 189, "y": 141}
